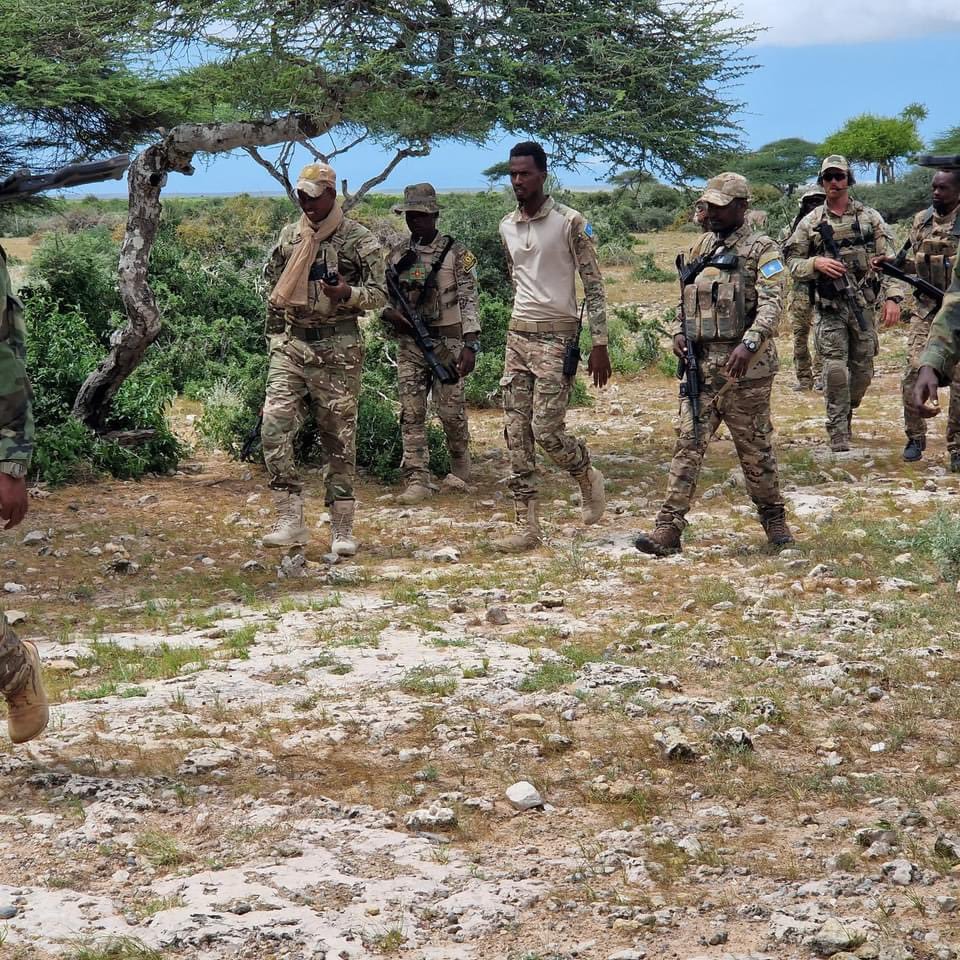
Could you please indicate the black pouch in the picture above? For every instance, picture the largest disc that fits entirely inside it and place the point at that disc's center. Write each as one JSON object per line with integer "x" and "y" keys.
{"x": 571, "y": 358}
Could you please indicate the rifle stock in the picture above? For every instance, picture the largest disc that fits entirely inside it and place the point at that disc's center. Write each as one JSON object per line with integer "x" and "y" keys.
{"x": 919, "y": 284}
{"x": 24, "y": 184}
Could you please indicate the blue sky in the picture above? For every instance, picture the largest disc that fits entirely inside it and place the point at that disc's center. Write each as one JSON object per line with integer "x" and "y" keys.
{"x": 801, "y": 87}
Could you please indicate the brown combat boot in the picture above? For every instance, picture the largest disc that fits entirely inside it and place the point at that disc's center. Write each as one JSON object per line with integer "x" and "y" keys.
{"x": 593, "y": 497}
{"x": 414, "y": 494}
{"x": 342, "y": 541}
{"x": 774, "y": 524}
{"x": 21, "y": 684}
{"x": 840, "y": 442}
{"x": 663, "y": 542}
{"x": 462, "y": 467}
{"x": 527, "y": 535}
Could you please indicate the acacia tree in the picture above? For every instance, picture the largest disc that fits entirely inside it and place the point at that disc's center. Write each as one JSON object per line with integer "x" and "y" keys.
{"x": 885, "y": 142}
{"x": 635, "y": 84}
{"x": 783, "y": 164}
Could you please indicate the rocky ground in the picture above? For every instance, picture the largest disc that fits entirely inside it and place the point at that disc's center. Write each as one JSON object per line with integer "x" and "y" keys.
{"x": 439, "y": 753}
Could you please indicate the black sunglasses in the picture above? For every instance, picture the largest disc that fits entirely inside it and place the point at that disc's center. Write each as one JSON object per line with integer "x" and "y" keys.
{"x": 834, "y": 175}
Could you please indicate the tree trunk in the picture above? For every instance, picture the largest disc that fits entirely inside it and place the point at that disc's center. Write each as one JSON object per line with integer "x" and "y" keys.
{"x": 147, "y": 177}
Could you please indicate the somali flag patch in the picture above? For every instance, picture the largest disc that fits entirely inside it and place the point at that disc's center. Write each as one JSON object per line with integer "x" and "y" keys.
{"x": 771, "y": 268}
{"x": 588, "y": 229}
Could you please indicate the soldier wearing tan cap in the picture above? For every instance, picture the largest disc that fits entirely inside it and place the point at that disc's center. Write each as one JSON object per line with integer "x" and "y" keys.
{"x": 846, "y": 351}
{"x": 730, "y": 311}
{"x": 323, "y": 272}
{"x": 437, "y": 275}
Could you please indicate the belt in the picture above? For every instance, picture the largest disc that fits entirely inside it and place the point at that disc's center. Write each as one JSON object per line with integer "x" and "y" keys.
{"x": 312, "y": 334}
{"x": 547, "y": 326}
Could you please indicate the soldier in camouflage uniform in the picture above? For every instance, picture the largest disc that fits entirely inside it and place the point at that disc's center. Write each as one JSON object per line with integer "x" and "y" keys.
{"x": 324, "y": 271}
{"x": 731, "y": 313}
{"x": 847, "y": 351}
{"x": 20, "y": 679}
{"x": 933, "y": 241}
{"x": 546, "y": 245}
{"x": 939, "y": 358}
{"x": 799, "y": 308}
{"x": 439, "y": 279}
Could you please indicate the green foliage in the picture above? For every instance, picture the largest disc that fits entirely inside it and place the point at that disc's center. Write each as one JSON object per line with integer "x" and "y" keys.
{"x": 783, "y": 164}
{"x": 868, "y": 139}
{"x": 947, "y": 142}
{"x": 939, "y": 539}
{"x": 115, "y": 948}
{"x": 899, "y": 199}
{"x": 646, "y": 269}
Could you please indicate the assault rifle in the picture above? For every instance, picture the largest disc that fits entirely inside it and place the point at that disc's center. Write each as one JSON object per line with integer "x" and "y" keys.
{"x": 252, "y": 439}
{"x": 688, "y": 369}
{"x": 23, "y": 183}
{"x": 446, "y": 373}
{"x": 843, "y": 285}
{"x": 921, "y": 286}
{"x": 942, "y": 161}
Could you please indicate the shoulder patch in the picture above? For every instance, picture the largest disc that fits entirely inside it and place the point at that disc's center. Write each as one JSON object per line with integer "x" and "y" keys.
{"x": 468, "y": 261}
{"x": 770, "y": 265}
{"x": 588, "y": 230}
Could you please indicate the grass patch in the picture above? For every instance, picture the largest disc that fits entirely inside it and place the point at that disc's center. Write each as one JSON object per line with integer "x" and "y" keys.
{"x": 548, "y": 676}
{"x": 647, "y": 269}
{"x": 161, "y": 849}
{"x": 239, "y": 642}
{"x": 428, "y": 682}
{"x": 939, "y": 539}
{"x": 116, "y": 948}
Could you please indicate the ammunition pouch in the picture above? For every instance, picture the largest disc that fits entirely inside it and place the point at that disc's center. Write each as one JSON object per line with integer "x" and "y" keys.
{"x": 714, "y": 306}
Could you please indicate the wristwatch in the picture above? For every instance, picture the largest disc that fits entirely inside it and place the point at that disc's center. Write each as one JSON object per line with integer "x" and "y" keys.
{"x": 13, "y": 468}
{"x": 473, "y": 345}
{"x": 752, "y": 345}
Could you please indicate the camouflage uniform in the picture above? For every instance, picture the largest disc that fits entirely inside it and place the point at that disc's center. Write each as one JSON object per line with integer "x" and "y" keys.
{"x": 943, "y": 345}
{"x": 723, "y": 309}
{"x": 799, "y": 311}
{"x": 450, "y": 311}
{"x": 933, "y": 242}
{"x": 20, "y": 682}
{"x": 846, "y": 351}
{"x": 543, "y": 323}
{"x": 316, "y": 354}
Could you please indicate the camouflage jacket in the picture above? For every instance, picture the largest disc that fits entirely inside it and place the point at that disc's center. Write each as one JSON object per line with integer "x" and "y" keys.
{"x": 16, "y": 409}
{"x": 454, "y": 296}
{"x": 933, "y": 241}
{"x": 542, "y": 252}
{"x": 354, "y": 252}
{"x": 758, "y": 282}
{"x": 869, "y": 236}
{"x": 943, "y": 344}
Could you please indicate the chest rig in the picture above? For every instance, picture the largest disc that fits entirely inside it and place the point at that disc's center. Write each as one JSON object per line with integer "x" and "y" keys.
{"x": 857, "y": 244}
{"x": 418, "y": 275}
{"x": 714, "y": 304}
{"x": 934, "y": 256}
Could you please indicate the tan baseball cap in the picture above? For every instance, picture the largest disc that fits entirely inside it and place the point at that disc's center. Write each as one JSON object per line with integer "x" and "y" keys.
{"x": 834, "y": 162}
{"x": 725, "y": 187}
{"x": 315, "y": 178}
{"x": 418, "y": 198}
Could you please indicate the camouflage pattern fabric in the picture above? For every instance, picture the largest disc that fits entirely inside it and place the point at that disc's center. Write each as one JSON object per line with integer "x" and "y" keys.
{"x": 800, "y": 312}
{"x": 14, "y": 666}
{"x": 943, "y": 345}
{"x": 914, "y": 424}
{"x": 745, "y": 409}
{"x": 353, "y": 251}
{"x": 16, "y": 407}
{"x": 414, "y": 382}
{"x": 535, "y": 398}
{"x": 325, "y": 375}
{"x": 846, "y": 351}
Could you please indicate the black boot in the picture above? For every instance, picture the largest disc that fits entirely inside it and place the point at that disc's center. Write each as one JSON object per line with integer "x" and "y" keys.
{"x": 913, "y": 451}
{"x": 955, "y": 461}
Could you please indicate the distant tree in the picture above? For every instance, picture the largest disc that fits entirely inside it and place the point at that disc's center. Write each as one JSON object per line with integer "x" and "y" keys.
{"x": 497, "y": 171}
{"x": 947, "y": 142}
{"x": 783, "y": 164}
{"x": 886, "y": 142}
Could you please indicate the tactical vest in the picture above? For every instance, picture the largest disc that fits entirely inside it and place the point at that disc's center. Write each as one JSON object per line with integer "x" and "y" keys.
{"x": 857, "y": 244}
{"x": 440, "y": 304}
{"x": 934, "y": 256}
{"x": 715, "y": 305}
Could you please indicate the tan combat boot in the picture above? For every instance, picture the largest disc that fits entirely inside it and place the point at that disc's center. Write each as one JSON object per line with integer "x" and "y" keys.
{"x": 840, "y": 442}
{"x": 527, "y": 536}
{"x": 593, "y": 498}
{"x": 462, "y": 467}
{"x": 289, "y": 530}
{"x": 663, "y": 542}
{"x": 21, "y": 684}
{"x": 342, "y": 541}
{"x": 414, "y": 494}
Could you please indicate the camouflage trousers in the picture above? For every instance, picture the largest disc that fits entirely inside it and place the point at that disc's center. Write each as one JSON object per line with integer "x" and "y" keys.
{"x": 415, "y": 382}
{"x": 800, "y": 311}
{"x": 847, "y": 354}
{"x": 915, "y": 425}
{"x": 745, "y": 409}
{"x": 322, "y": 377}
{"x": 535, "y": 398}
{"x": 14, "y": 666}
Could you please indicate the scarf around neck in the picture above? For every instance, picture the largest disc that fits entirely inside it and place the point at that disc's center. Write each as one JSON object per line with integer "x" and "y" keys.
{"x": 292, "y": 289}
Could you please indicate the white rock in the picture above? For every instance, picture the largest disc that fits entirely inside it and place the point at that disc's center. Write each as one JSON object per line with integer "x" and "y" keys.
{"x": 11, "y": 587}
{"x": 523, "y": 795}
{"x": 34, "y": 536}
{"x": 445, "y": 555}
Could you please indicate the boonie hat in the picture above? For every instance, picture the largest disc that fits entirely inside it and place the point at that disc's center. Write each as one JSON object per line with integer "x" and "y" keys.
{"x": 725, "y": 187}
{"x": 418, "y": 198}
{"x": 315, "y": 178}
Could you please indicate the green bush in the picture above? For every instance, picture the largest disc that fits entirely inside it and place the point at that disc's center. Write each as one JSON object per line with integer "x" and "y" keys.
{"x": 939, "y": 539}
{"x": 647, "y": 269}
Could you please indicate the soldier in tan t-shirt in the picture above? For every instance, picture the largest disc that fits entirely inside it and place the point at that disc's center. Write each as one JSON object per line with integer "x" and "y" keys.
{"x": 546, "y": 245}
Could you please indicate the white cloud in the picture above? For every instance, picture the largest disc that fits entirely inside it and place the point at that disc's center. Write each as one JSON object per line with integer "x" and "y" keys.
{"x": 803, "y": 23}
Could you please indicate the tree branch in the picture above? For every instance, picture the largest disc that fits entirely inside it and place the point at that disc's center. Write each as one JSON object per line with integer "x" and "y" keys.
{"x": 352, "y": 199}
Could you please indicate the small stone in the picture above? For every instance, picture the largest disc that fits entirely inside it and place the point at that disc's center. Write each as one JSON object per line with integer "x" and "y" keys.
{"x": 523, "y": 795}
{"x": 528, "y": 720}
{"x": 734, "y": 738}
{"x": 497, "y": 616}
{"x": 833, "y": 937}
{"x": 457, "y": 605}
{"x": 34, "y": 536}
{"x": 252, "y": 565}
{"x": 628, "y": 955}
{"x": 900, "y": 872}
{"x": 673, "y": 745}
{"x": 948, "y": 846}
{"x": 287, "y": 848}
{"x": 11, "y": 587}
{"x": 715, "y": 939}
{"x": 947, "y": 904}
{"x": 7, "y": 911}
{"x": 431, "y": 818}
{"x": 240, "y": 908}
{"x": 446, "y": 554}
{"x": 15, "y": 616}
{"x": 146, "y": 499}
